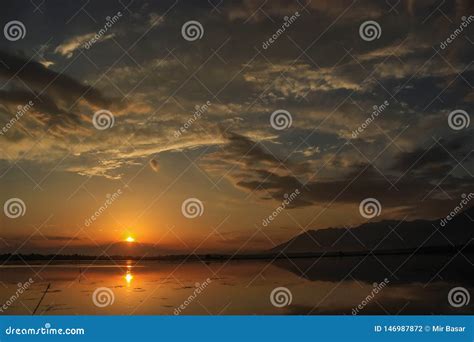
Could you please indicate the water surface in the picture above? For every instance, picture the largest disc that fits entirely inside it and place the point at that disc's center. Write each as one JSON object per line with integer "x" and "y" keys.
{"x": 415, "y": 285}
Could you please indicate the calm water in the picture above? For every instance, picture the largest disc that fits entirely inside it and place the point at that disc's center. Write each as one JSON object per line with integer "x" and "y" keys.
{"x": 417, "y": 285}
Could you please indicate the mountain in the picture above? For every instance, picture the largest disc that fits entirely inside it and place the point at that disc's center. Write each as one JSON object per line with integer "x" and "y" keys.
{"x": 384, "y": 235}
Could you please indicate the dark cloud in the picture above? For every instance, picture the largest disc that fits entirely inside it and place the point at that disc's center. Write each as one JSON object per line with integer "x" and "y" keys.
{"x": 250, "y": 152}
{"x": 436, "y": 159}
{"x": 257, "y": 171}
{"x": 43, "y": 107}
{"x": 60, "y": 238}
{"x": 45, "y": 238}
{"x": 60, "y": 103}
{"x": 42, "y": 79}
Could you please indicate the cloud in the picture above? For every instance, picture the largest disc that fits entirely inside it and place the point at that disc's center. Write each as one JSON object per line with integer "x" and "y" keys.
{"x": 257, "y": 11}
{"x": 56, "y": 238}
{"x": 46, "y": 63}
{"x": 436, "y": 159}
{"x": 91, "y": 165}
{"x": 299, "y": 80}
{"x": 241, "y": 154}
{"x": 251, "y": 168}
{"x": 44, "y": 80}
{"x": 44, "y": 109}
{"x": 68, "y": 47}
{"x": 155, "y": 166}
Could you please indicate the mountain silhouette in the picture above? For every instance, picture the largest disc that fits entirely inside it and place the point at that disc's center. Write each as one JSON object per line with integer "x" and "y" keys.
{"x": 385, "y": 235}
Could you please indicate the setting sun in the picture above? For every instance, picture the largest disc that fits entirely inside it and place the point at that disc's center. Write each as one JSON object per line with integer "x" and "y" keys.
{"x": 130, "y": 239}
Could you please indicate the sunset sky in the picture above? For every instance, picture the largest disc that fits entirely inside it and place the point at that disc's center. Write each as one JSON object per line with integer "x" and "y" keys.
{"x": 158, "y": 153}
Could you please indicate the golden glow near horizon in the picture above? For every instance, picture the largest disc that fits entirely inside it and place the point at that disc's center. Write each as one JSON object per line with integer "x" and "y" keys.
{"x": 130, "y": 239}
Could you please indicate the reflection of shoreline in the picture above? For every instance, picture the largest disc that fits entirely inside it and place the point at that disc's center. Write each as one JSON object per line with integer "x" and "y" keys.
{"x": 400, "y": 269}
{"x": 466, "y": 249}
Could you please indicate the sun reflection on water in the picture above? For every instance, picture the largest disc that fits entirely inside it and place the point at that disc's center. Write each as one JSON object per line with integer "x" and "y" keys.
{"x": 129, "y": 276}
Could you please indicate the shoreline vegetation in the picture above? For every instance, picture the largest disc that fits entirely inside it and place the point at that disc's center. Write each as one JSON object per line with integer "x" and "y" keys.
{"x": 467, "y": 248}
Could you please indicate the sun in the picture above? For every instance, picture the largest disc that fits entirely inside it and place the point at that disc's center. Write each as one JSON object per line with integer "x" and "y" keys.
{"x": 130, "y": 239}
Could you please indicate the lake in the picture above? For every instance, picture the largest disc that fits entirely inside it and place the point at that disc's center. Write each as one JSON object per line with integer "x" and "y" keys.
{"x": 400, "y": 284}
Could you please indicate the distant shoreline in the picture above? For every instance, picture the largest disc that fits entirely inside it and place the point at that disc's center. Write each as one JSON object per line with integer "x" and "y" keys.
{"x": 469, "y": 248}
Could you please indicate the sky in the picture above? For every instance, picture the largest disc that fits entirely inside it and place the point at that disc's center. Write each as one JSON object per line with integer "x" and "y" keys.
{"x": 185, "y": 125}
